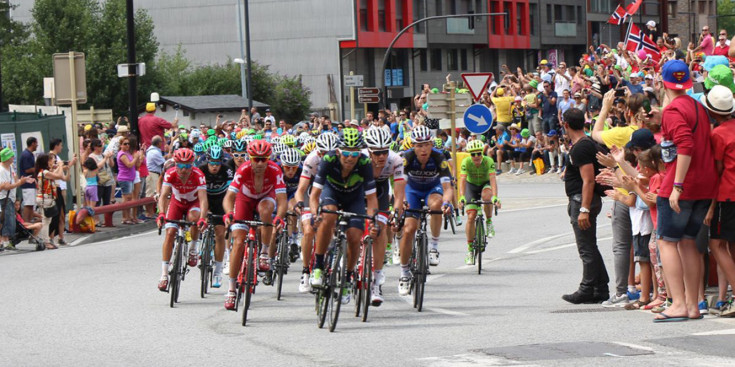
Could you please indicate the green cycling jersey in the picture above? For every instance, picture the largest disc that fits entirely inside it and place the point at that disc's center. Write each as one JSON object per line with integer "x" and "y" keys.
{"x": 477, "y": 175}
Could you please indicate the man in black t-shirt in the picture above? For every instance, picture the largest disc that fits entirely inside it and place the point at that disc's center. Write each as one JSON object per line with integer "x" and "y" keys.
{"x": 584, "y": 206}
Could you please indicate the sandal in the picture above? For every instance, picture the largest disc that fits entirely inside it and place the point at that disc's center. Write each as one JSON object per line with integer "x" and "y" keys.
{"x": 655, "y": 303}
{"x": 50, "y": 246}
{"x": 128, "y": 222}
{"x": 636, "y": 305}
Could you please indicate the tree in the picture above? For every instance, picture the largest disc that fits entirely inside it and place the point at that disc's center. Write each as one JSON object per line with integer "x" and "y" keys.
{"x": 14, "y": 51}
{"x": 725, "y": 16}
{"x": 291, "y": 99}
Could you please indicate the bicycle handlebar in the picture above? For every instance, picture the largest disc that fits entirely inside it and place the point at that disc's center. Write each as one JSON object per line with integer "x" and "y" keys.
{"x": 249, "y": 223}
{"x": 179, "y": 222}
{"x": 348, "y": 214}
{"x": 425, "y": 211}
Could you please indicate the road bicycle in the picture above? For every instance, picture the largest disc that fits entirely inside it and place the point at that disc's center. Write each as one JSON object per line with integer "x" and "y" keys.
{"x": 177, "y": 272}
{"x": 283, "y": 256}
{"x": 419, "y": 262}
{"x": 206, "y": 265}
{"x": 449, "y": 220}
{"x": 328, "y": 299}
{"x": 479, "y": 242}
{"x": 364, "y": 278}
{"x": 247, "y": 280}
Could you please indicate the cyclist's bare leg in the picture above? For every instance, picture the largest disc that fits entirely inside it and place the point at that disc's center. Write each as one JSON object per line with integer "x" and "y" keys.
{"x": 307, "y": 243}
{"x": 236, "y": 255}
{"x": 167, "y": 249}
{"x": 435, "y": 203}
{"x": 470, "y": 229}
{"x": 326, "y": 230}
{"x": 219, "y": 243}
{"x": 354, "y": 235}
{"x": 265, "y": 209}
{"x": 409, "y": 231}
{"x": 193, "y": 217}
{"x": 379, "y": 248}
{"x": 487, "y": 195}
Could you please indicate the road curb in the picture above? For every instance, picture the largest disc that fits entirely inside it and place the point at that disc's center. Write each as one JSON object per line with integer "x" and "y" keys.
{"x": 118, "y": 232}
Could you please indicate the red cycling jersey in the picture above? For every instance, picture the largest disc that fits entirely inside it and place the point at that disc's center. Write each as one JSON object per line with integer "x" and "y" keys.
{"x": 244, "y": 181}
{"x": 185, "y": 191}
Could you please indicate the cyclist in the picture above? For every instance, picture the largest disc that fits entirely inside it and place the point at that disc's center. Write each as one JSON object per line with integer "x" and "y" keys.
{"x": 218, "y": 179}
{"x": 386, "y": 164}
{"x": 439, "y": 145}
{"x": 188, "y": 190}
{"x": 428, "y": 179}
{"x": 257, "y": 185}
{"x": 201, "y": 156}
{"x": 344, "y": 180}
{"x": 477, "y": 182}
{"x": 291, "y": 166}
{"x": 239, "y": 155}
{"x": 324, "y": 143}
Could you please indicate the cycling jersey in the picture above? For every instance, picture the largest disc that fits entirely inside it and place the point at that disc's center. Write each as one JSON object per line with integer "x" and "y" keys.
{"x": 478, "y": 175}
{"x": 393, "y": 168}
{"x": 185, "y": 191}
{"x": 244, "y": 183}
{"x": 292, "y": 184}
{"x": 435, "y": 172}
{"x": 217, "y": 183}
{"x": 330, "y": 174}
{"x": 311, "y": 165}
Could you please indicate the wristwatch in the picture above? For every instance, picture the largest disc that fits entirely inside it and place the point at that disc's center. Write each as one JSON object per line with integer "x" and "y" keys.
{"x": 584, "y": 210}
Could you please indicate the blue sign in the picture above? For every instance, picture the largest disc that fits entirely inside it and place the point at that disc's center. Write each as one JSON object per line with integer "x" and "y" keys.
{"x": 393, "y": 77}
{"x": 478, "y": 119}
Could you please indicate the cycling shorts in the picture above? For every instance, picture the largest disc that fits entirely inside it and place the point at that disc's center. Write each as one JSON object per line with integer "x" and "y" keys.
{"x": 177, "y": 210}
{"x": 383, "y": 191}
{"x": 216, "y": 208}
{"x": 474, "y": 192}
{"x": 414, "y": 197}
{"x": 353, "y": 203}
{"x": 246, "y": 207}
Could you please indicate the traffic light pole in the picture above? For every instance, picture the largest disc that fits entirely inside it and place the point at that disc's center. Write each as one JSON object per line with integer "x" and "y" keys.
{"x": 383, "y": 100}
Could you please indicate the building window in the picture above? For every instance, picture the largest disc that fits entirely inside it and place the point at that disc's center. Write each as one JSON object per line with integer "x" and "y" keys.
{"x": 363, "y": 15}
{"x": 519, "y": 16}
{"x": 506, "y": 19}
{"x": 452, "y": 60}
{"x": 399, "y": 14}
{"x": 381, "y": 16}
{"x": 549, "y": 14}
{"x": 672, "y": 8}
{"x": 569, "y": 13}
{"x": 423, "y": 60}
{"x": 703, "y": 7}
{"x": 463, "y": 59}
{"x": 436, "y": 59}
{"x": 419, "y": 12}
{"x": 558, "y": 16}
{"x": 532, "y": 13}
{"x": 439, "y": 7}
{"x": 579, "y": 15}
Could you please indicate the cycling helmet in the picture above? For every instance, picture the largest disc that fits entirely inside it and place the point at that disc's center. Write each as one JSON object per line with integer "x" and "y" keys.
{"x": 438, "y": 143}
{"x": 215, "y": 153}
{"x": 377, "y": 138}
{"x": 289, "y": 140}
{"x": 260, "y": 148}
{"x": 291, "y": 157}
{"x": 240, "y": 135}
{"x": 351, "y": 138}
{"x": 183, "y": 137}
{"x": 183, "y": 155}
{"x": 239, "y": 146}
{"x": 227, "y": 144}
{"x": 279, "y": 148}
{"x": 421, "y": 134}
{"x": 407, "y": 143}
{"x": 195, "y": 133}
{"x": 233, "y": 135}
{"x": 475, "y": 146}
{"x": 221, "y": 141}
{"x": 198, "y": 148}
{"x": 257, "y": 137}
{"x": 276, "y": 139}
{"x": 309, "y": 147}
{"x": 326, "y": 142}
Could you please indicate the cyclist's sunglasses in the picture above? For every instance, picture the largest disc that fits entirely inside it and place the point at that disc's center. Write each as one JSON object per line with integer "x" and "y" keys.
{"x": 379, "y": 152}
{"x": 346, "y": 153}
{"x": 215, "y": 163}
{"x": 239, "y": 155}
{"x": 184, "y": 165}
{"x": 259, "y": 159}
{"x": 476, "y": 154}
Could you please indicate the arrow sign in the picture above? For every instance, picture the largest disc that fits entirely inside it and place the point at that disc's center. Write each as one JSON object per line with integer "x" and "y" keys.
{"x": 476, "y": 83}
{"x": 368, "y": 91}
{"x": 478, "y": 118}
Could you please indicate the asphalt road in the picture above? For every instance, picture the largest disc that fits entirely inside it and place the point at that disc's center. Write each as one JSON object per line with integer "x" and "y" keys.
{"x": 98, "y": 305}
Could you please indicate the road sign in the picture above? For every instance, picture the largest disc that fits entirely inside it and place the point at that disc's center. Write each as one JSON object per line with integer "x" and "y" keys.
{"x": 476, "y": 83}
{"x": 353, "y": 80}
{"x": 368, "y": 99}
{"x": 62, "y": 78}
{"x": 478, "y": 118}
{"x": 439, "y": 107}
{"x": 123, "y": 70}
{"x": 369, "y": 91}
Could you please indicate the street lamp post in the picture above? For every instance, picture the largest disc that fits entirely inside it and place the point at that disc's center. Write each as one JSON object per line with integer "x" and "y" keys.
{"x": 242, "y": 75}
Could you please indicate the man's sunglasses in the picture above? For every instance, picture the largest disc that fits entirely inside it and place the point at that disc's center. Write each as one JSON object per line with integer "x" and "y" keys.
{"x": 215, "y": 163}
{"x": 346, "y": 153}
{"x": 476, "y": 154}
{"x": 184, "y": 165}
{"x": 239, "y": 155}
{"x": 259, "y": 159}
{"x": 379, "y": 152}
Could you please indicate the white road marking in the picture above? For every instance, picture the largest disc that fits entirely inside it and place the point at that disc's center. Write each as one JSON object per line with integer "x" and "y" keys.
{"x": 716, "y": 332}
{"x": 634, "y": 346}
{"x": 116, "y": 239}
{"x": 546, "y": 239}
{"x": 562, "y": 246}
{"x": 531, "y": 208}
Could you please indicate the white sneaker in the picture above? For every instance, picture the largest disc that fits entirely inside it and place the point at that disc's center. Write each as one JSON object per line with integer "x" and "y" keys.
{"x": 304, "y": 286}
{"x": 434, "y": 257}
{"x": 616, "y": 301}
{"x": 558, "y": 170}
{"x": 316, "y": 279}
{"x": 396, "y": 254}
{"x": 520, "y": 172}
{"x": 404, "y": 286}
{"x": 512, "y": 171}
{"x": 376, "y": 296}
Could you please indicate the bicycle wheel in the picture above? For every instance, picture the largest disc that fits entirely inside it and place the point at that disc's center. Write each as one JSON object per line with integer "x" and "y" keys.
{"x": 174, "y": 275}
{"x": 357, "y": 289}
{"x": 451, "y": 223}
{"x": 422, "y": 272}
{"x": 414, "y": 267}
{"x": 250, "y": 274}
{"x": 322, "y": 304}
{"x": 204, "y": 266}
{"x": 418, "y": 268}
{"x": 479, "y": 246}
{"x": 367, "y": 279}
{"x": 337, "y": 281}
{"x": 282, "y": 262}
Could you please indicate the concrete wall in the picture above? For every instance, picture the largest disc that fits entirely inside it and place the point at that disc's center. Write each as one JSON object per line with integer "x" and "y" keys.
{"x": 547, "y": 29}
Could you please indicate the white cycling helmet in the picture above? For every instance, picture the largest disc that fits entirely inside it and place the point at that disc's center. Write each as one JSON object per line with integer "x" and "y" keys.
{"x": 377, "y": 138}
{"x": 279, "y": 148}
{"x": 290, "y": 157}
{"x": 421, "y": 134}
{"x": 327, "y": 142}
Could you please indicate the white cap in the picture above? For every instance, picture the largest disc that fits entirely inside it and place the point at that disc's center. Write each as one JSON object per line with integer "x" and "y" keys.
{"x": 651, "y": 23}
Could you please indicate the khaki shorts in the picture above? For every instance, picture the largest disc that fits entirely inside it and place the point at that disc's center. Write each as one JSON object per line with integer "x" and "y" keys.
{"x": 29, "y": 197}
{"x": 151, "y": 183}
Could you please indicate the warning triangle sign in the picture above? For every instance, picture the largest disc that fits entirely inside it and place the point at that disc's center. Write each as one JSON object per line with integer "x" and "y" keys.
{"x": 476, "y": 83}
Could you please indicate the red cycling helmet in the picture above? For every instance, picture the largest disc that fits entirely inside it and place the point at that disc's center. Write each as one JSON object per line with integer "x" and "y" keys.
{"x": 259, "y": 148}
{"x": 183, "y": 155}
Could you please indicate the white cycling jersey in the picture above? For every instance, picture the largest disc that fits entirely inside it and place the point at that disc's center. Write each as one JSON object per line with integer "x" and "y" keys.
{"x": 311, "y": 165}
{"x": 393, "y": 167}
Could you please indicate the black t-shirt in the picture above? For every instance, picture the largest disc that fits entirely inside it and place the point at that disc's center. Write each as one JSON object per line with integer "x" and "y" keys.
{"x": 583, "y": 152}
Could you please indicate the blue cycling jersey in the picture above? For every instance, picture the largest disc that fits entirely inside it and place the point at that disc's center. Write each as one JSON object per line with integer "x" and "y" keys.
{"x": 292, "y": 184}
{"x": 434, "y": 172}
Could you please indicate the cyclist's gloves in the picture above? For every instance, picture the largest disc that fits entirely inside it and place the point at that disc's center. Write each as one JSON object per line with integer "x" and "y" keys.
{"x": 495, "y": 200}
{"x": 202, "y": 223}
{"x": 161, "y": 219}
{"x": 300, "y": 204}
{"x": 278, "y": 222}
{"x": 462, "y": 200}
{"x": 228, "y": 216}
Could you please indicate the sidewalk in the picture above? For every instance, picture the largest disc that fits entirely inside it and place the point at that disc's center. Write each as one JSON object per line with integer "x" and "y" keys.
{"x": 525, "y": 178}
{"x": 102, "y": 234}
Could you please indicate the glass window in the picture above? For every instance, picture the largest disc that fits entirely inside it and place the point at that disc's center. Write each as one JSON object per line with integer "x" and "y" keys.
{"x": 569, "y": 13}
{"x": 579, "y": 15}
{"x": 519, "y": 16}
{"x": 423, "y": 60}
{"x": 549, "y": 14}
{"x": 463, "y": 59}
{"x": 399, "y": 14}
{"x": 436, "y": 59}
{"x": 419, "y": 12}
{"x": 381, "y": 16}
{"x": 507, "y": 21}
{"x": 439, "y": 7}
{"x": 532, "y": 13}
{"x": 452, "y": 60}
{"x": 363, "y": 15}
{"x": 558, "y": 16}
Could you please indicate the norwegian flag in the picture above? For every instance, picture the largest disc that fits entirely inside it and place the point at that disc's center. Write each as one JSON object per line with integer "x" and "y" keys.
{"x": 619, "y": 16}
{"x": 637, "y": 40}
{"x": 633, "y": 7}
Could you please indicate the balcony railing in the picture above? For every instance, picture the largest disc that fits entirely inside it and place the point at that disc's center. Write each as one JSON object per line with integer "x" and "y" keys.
{"x": 459, "y": 26}
{"x": 565, "y": 29}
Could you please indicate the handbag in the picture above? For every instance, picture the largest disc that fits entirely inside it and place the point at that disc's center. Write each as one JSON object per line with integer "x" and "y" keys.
{"x": 103, "y": 175}
{"x": 45, "y": 198}
{"x": 51, "y": 212}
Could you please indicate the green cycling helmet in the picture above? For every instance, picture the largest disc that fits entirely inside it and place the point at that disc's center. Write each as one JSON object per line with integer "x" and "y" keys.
{"x": 438, "y": 143}
{"x": 198, "y": 148}
{"x": 258, "y": 137}
{"x": 351, "y": 138}
{"x": 475, "y": 146}
{"x": 221, "y": 141}
{"x": 289, "y": 140}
